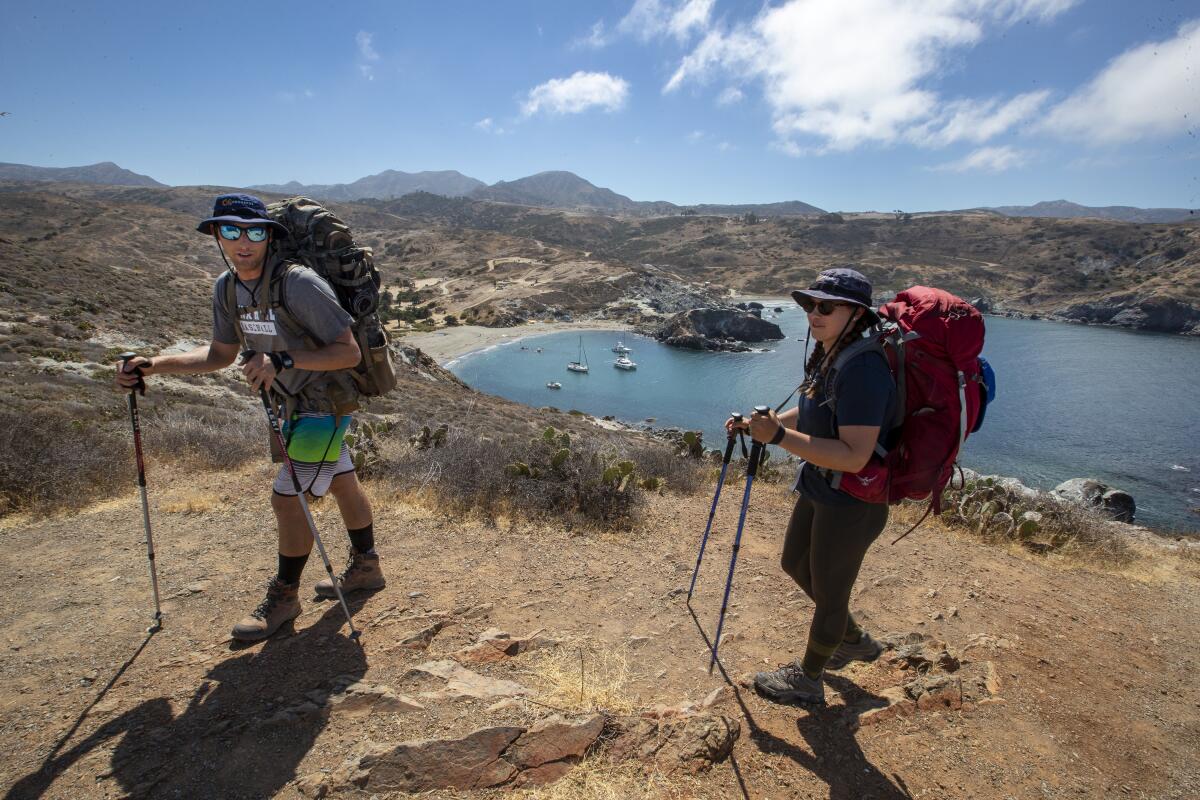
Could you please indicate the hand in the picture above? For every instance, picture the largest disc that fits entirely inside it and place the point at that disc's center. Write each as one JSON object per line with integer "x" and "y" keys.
{"x": 764, "y": 427}
{"x": 127, "y": 378}
{"x": 259, "y": 371}
{"x": 732, "y": 425}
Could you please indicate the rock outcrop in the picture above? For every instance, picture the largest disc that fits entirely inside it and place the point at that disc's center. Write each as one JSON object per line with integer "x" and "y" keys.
{"x": 717, "y": 329}
{"x": 1161, "y": 314}
{"x": 1114, "y": 503}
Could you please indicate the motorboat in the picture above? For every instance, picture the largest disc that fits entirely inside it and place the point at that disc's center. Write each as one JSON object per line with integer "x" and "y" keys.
{"x": 553, "y": 385}
{"x": 624, "y": 363}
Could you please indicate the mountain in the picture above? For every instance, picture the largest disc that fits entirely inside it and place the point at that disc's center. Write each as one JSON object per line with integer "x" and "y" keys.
{"x": 1065, "y": 209}
{"x": 788, "y": 208}
{"x": 386, "y": 185}
{"x": 557, "y": 189}
{"x": 104, "y": 172}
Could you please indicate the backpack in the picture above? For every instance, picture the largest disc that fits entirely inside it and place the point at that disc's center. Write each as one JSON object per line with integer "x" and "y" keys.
{"x": 319, "y": 240}
{"x": 932, "y": 341}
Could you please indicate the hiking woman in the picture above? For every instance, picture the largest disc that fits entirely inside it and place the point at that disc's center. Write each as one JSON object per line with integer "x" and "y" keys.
{"x": 841, "y": 418}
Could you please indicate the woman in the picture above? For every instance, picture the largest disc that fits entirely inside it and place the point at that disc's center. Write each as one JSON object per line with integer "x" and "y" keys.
{"x": 835, "y": 428}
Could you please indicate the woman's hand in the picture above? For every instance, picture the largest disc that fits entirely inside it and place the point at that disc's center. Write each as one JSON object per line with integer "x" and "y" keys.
{"x": 763, "y": 427}
{"x": 733, "y": 425}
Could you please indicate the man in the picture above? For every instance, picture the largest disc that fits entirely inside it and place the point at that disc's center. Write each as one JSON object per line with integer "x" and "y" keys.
{"x": 300, "y": 368}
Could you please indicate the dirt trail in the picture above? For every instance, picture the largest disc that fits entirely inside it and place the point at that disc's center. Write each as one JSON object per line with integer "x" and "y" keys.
{"x": 1097, "y": 691}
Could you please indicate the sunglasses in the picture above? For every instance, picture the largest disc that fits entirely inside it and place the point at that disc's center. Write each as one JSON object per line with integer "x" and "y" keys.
{"x": 234, "y": 232}
{"x": 824, "y": 307}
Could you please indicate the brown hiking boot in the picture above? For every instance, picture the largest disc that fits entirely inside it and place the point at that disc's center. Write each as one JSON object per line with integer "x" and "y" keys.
{"x": 282, "y": 604}
{"x": 361, "y": 572}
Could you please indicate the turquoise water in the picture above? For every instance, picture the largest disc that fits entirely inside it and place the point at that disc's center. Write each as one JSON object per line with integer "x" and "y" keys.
{"x": 1074, "y": 401}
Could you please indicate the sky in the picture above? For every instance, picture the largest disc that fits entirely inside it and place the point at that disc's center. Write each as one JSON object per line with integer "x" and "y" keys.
{"x": 846, "y": 104}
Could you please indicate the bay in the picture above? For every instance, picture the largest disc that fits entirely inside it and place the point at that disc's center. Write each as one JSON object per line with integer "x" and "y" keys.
{"x": 1073, "y": 401}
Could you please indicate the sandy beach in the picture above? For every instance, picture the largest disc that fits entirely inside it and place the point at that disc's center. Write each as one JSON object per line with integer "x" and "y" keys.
{"x": 449, "y": 343}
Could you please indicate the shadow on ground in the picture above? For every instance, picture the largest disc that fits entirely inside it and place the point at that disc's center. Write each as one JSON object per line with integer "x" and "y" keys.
{"x": 225, "y": 742}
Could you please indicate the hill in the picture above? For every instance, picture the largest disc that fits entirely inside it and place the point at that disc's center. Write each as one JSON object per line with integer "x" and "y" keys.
{"x": 1064, "y": 209}
{"x": 384, "y": 185}
{"x": 105, "y": 172}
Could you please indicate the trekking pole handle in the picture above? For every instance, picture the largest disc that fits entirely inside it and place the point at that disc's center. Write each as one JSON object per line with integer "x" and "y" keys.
{"x": 140, "y": 386}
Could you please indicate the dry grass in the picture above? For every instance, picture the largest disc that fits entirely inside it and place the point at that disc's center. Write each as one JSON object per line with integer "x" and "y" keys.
{"x": 584, "y": 676}
{"x": 597, "y": 778}
{"x": 192, "y": 503}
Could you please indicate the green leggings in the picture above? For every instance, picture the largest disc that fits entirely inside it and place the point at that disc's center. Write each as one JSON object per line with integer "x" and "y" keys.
{"x": 823, "y": 551}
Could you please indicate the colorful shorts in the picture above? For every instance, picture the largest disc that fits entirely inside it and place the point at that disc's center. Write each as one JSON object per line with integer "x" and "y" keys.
{"x": 317, "y": 448}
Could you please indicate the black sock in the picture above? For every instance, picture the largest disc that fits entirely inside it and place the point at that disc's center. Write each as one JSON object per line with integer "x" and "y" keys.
{"x": 290, "y": 568}
{"x": 363, "y": 539}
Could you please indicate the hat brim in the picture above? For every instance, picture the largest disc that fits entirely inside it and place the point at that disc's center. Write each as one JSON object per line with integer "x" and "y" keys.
{"x": 818, "y": 296}
{"x": 205, "y": 226}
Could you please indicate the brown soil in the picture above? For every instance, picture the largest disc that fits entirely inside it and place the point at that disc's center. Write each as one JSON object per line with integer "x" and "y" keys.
{"x": 1097, "y": 691}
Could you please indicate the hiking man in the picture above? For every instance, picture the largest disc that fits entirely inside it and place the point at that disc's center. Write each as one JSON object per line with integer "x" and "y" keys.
{"x": 830, "y": 530}
{"x": 301, "y": 370}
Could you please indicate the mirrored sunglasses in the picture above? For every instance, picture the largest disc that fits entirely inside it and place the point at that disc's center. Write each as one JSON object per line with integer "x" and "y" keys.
{"x": 258, "y": 233}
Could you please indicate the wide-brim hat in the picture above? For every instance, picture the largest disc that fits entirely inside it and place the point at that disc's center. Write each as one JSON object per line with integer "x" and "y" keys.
{"x": 840, "y": 285}
{"x": 240, "y": 209}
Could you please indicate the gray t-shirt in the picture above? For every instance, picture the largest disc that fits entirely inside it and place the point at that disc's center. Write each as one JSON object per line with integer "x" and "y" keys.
{"x": 866, "y": 395}
{"x": 308, "y": 298}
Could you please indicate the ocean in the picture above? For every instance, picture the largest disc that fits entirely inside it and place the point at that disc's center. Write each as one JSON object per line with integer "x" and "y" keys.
{"x": 1073, "y": 401}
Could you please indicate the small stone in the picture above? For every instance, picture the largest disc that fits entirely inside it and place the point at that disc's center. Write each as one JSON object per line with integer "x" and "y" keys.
{"x": 936, "y": 615}
{"x": 952, "y": 612}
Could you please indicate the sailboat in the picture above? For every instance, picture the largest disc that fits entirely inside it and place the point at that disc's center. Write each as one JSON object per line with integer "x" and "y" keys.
{"x": 580, "y": 364}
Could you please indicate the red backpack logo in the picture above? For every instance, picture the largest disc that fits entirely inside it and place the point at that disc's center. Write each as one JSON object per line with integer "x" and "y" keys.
{"x": 932, "y": 341}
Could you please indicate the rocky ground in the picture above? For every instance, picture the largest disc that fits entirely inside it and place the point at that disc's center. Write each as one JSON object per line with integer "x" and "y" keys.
{"x": 524, "y": 647}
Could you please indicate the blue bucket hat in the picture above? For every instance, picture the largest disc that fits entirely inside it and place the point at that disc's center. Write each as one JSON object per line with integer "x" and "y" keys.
{"x": 841, "y": 285}
{"x": 244, "y": 209}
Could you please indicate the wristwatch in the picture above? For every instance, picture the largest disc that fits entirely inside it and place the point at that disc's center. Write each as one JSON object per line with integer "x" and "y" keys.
{"x": 779, "y": 434}
{"x": 281, "y": 360}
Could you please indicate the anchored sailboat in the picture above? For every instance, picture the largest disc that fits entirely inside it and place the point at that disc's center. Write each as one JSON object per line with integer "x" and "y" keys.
{"x": 580, "y": 364}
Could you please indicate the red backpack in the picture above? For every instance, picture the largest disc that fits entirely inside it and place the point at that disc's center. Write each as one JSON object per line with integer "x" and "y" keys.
{"x": 932, "y": 341}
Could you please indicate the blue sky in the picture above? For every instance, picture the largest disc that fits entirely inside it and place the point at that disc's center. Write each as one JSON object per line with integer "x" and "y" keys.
{"x": 847, "y": 104}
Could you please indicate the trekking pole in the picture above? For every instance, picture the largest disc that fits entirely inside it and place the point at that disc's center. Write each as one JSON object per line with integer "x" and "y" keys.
{"x": 756, "y": 451}
{"x": 712, "y": 512}
{"x": 141, "y": 481}
{"x": 277, "y": 430}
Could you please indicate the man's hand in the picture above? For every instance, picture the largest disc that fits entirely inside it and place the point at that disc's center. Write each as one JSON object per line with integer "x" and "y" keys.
{"x": 259, "y": 371}
{"x": 127, "y": 372}
{"x": 763, "y": 427}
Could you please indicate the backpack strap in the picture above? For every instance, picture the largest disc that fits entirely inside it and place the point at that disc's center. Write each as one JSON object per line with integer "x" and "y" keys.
{"x": 277, "y": 292}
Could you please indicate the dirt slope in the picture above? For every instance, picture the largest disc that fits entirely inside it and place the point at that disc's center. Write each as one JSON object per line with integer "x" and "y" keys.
{"x": 1097, "y": 694}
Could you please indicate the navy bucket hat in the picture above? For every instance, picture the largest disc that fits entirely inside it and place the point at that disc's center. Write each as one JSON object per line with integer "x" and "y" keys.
{"x": 840, "y": 285}
{"x": 243, "y": 209}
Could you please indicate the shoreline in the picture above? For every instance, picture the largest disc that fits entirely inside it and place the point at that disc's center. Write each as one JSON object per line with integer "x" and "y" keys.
{"x": 449, "y": 344}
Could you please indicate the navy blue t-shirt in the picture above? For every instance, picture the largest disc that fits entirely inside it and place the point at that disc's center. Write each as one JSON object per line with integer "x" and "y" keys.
{"x": 865, "y": 395}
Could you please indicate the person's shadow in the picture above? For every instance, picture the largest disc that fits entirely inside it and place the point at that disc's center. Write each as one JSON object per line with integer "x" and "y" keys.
{"x": 231, "y": 740}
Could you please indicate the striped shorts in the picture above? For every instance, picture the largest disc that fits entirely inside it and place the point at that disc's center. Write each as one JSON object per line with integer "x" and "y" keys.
{"x": 317, "y": 448}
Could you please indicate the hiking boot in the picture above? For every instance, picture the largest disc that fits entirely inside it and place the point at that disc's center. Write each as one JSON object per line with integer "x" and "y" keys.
{"x": 282, "y": 604}
{"x": 361, "y": 572}
{"x": 790, "y": 685}
{"x": 865, "y": 649}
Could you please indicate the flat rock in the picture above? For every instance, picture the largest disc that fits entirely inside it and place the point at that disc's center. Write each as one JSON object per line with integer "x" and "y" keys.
{"x": 462, "y": 682}
{"x": 688, "y": 744}
{"x": 485, "y": 758}
{"x": 496, "y": 645}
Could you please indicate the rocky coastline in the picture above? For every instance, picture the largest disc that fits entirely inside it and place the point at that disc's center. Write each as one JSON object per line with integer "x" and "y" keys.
{"x": 1154, "y": 314}
{"x": 720, "y": 328}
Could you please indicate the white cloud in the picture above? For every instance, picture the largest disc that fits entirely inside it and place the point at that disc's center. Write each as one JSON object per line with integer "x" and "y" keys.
{"x": 847, "y": 73}
{"x": 367, "y": 54}
{"x": 487, "y": 125}
{"x": 977, "y": 120}
{"x": 1152, "y": 90}
{"x": 695, "y": 136}
{"x": 725, "y": 147}
{"x": 596, "y": 38}
{"x": 648, "y": 19}
{"x": 578, "y": 93}
{"x": 730, "y": 96}
{"x": 987, "y": 159}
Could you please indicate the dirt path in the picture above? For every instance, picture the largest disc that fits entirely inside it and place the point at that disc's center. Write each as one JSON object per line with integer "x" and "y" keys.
{"x": 1097, "y": 693}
